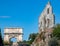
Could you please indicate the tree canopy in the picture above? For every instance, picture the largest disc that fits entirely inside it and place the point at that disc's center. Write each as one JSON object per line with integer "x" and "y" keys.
{"x": 56, "y": 36}
{"x": 56, "y": 31}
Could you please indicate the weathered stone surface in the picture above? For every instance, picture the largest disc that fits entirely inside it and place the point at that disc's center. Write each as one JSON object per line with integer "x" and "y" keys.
{"x": 46, "y": 24}
{"x": 13, "y": 33}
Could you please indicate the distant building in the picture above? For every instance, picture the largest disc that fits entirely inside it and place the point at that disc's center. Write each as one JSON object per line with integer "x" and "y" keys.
{"x": 46, "y": 24}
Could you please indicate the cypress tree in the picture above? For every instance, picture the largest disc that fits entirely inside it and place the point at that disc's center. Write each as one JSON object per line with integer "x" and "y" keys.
{"x": 1, "y": 41}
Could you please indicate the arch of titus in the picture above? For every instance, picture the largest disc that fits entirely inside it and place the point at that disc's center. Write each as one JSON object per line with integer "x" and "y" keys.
{"x": 13, "y": 33}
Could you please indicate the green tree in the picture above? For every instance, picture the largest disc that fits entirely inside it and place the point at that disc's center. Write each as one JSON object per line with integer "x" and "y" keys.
{"x": 24, "y": 42}
{"x": 53, "y": 42}
{"x": 32, "y": 37}
{"x": 56, "y": 31}
{"x": 1, "y": 41}
{"x": 56, "y": 36}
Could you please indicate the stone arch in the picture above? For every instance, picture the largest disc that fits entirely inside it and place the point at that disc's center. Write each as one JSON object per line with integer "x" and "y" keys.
{"x": 13, "y": 32}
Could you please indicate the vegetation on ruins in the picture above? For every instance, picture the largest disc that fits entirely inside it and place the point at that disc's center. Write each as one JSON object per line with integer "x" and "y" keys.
{"x": 55, "y": 40}
{"x": 56, "y": 31}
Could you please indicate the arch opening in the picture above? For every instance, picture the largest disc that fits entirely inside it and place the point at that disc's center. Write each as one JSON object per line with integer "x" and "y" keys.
{"x": 13, "y": 39}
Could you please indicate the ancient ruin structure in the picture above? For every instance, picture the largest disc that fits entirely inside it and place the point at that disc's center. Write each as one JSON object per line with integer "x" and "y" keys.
{"x": 13, "y": 33}
{"x": 46, "y": 24}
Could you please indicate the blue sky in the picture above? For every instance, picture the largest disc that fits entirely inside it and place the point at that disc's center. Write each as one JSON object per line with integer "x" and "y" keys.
{"x": 25, "y": 14}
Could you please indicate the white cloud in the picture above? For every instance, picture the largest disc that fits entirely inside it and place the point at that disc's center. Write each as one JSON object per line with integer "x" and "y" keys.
{"x": 4, "y": 16}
